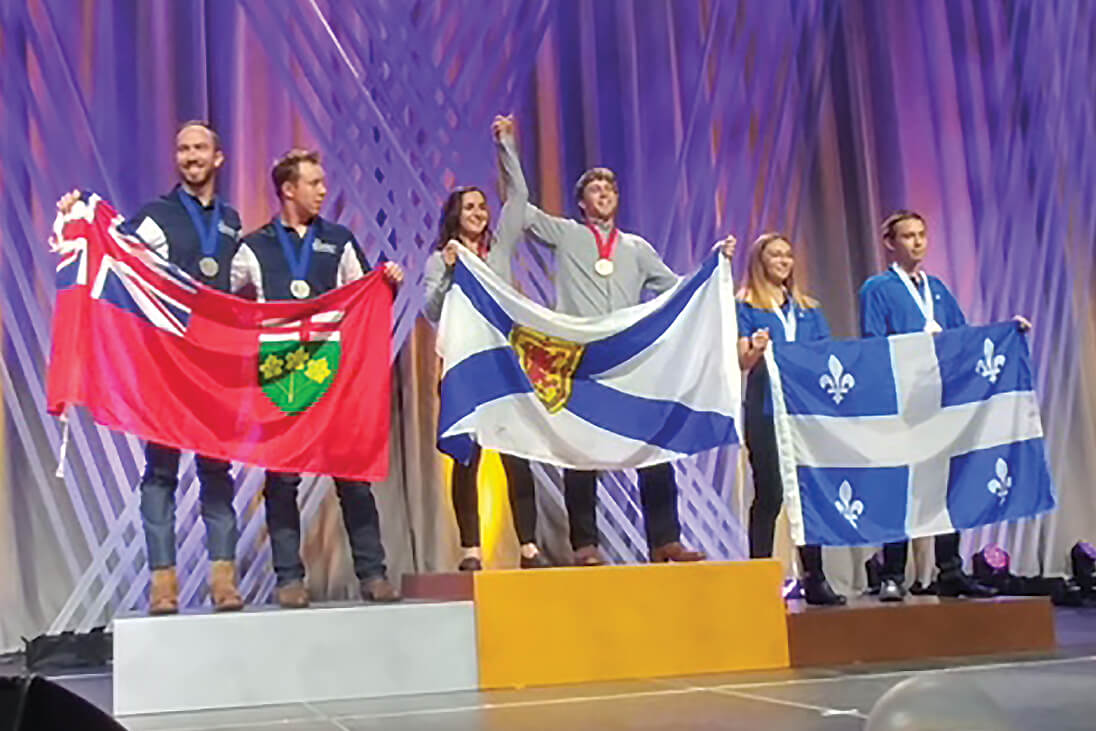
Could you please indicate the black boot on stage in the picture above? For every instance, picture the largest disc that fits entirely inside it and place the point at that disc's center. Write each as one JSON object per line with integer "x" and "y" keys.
{"x": 955, "y": 583}
{"x": 818, "y": 592}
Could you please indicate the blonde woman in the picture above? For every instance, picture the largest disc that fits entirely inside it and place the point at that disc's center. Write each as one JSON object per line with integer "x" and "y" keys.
{"x": 772, "y": 308}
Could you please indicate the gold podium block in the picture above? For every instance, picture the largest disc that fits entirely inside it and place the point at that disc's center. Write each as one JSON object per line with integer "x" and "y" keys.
{"x": 574, "y": 625}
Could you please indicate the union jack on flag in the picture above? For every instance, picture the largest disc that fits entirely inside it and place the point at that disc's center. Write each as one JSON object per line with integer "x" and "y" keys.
{"x": 160, "y": 297}
{"x": 120, "y": 285}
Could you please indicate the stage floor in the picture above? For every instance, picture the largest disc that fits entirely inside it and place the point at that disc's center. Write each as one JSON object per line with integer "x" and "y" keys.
{"x": 1047, "y": 691}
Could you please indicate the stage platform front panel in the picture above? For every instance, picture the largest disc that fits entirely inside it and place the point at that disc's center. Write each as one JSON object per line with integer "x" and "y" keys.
{"x": 574, "y": 625}
{"x": 868, "y": 630}
{"x": 270, "y": 655}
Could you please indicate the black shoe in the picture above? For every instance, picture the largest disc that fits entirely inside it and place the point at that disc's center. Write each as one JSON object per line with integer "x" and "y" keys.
{"x": 470, "y": 563}
{"x": 920, "y": 590}
{"x": 819, "y": 593}
{"x": 892, "y": 591}
{"x": 537, "y": 561}
{"x": 956, "y": 583}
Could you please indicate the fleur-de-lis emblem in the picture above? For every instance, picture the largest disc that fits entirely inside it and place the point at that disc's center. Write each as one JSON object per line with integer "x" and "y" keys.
{"x": 991, "y": 364}
{"x": 1002, "y": 483}
{"x": 837, "y": 382}
{"x": 850, "y": 509}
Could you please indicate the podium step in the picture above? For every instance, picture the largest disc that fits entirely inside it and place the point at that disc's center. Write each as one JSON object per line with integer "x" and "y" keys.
{"x": 268, "y": 655}
{"x": 455, "y": 586}
{"x": 867, "y": 630}
{"x": 573, "y": 625}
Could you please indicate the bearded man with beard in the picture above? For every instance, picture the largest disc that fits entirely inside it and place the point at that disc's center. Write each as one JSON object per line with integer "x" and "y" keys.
{"x": 196, "y": 230}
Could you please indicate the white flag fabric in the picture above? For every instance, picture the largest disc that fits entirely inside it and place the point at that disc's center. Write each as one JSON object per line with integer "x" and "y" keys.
{"x": 642, "y": 385}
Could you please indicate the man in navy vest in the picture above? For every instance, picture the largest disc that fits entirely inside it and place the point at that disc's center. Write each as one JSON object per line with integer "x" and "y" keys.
{"x": 296, "y": 256}
{"x": 196, "y": 230}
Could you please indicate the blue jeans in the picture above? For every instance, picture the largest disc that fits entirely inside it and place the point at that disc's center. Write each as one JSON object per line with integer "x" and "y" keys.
{"x": 158, "y": 485}
{"x": 283, "y": 521}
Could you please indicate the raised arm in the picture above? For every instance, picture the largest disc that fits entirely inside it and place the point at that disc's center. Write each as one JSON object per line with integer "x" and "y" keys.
{"x": 547, "y": 229}
{"x": 513, "y": 189}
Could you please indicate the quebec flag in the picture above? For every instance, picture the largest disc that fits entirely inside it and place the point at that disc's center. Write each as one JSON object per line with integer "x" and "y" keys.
{"x": 912, "y": 435}
{"x": 639, "y": 386}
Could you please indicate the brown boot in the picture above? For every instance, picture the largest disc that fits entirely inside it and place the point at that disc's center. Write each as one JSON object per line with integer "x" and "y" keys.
{"x": 293, "y": 595}
{"x": 222, "y": 587}
{"x": 674, "y": 551}
{"x": 163, "y": 592}
{"x": 378, "y": 589}
{"x": 589, "y": 556}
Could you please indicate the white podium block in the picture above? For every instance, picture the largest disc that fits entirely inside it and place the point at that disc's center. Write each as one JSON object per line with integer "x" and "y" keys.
{"x": 265, "y": 656}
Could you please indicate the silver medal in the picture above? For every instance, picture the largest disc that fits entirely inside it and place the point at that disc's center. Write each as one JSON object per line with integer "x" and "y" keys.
{"x": 604, "y": 267}
{"x": 299, "y": 288}
{"x": 208, "y": 266}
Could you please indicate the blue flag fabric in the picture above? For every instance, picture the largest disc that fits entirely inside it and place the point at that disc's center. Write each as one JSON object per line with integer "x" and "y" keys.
{"x": 913, "y": 435}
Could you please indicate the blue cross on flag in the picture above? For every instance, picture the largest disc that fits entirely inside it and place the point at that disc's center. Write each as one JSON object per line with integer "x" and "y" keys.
{"x": 639, "y": 386}
{"x": 913, "y": 435}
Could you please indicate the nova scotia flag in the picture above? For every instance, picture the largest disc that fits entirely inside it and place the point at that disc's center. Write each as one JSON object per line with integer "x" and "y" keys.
{"x": 907, "y": 436}
{"x": 640, "y": 386}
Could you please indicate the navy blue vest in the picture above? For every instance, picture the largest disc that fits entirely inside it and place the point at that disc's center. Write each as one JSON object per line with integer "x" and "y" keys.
{"x": 184, "y": 248}
{"x": 327, "y": 251}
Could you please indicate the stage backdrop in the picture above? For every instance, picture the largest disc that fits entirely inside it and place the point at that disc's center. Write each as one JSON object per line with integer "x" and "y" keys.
{"x": 815, "y": 118}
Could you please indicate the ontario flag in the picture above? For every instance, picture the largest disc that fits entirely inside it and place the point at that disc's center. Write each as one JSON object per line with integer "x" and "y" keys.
{"x": 147, "y": 350}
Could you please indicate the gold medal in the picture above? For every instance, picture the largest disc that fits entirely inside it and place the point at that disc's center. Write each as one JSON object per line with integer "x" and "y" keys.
{"x": 604, "y": 267}
{"x": 299, "y": 288}
{"x": 208, "y": 266}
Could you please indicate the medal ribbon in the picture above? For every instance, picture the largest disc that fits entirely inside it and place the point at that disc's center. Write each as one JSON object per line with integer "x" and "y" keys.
{"x": 788, "y": 321}
{"x": 298, "y": 261}
{"x": 207, "y": 238}
{"x": 605, "y": 249}
{"x": 923, "y": 298}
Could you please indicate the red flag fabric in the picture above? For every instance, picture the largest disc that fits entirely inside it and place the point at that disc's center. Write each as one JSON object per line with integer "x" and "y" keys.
{"x": 292, "y": 386}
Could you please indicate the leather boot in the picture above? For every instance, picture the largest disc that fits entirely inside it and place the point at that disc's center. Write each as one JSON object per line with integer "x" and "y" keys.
{"x": 163, "y": 592}
{"x": 378, "y": 589}
{"x": 588, "y": 556}
{"x": 222, "y": 587}
{"x": 293, "y": 595}
{"x": 818, "y": 592}
{"x": 674, "y": 551}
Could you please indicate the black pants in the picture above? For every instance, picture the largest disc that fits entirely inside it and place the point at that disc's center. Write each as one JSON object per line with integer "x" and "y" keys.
{"x": 283, "y": 520}
{"x": 519, "y": 484}
{"x": 657, "y": 494}
{"x": 769, "y": 494}
{"x": 947, "y": 556}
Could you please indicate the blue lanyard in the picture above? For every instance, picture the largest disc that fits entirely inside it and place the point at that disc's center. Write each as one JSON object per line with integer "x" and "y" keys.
{"x": 207, "y": 238}
{"x": 298, "y": 265}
